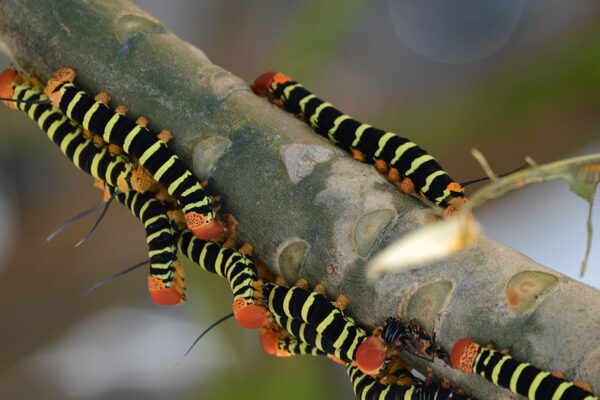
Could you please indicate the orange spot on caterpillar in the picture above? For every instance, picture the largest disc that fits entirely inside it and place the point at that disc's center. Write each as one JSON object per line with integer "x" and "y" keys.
{"x": 302, "y": 284}
{"x": 121, "y": 110}
{"x": 143, "y": 121}
{"x": 162, "y": 295}
{"x": 263, "y": 272}
{"x": 202, "y": 229}
{"x": 6, "y": 89}
{"x": 107, "y": 195}
{"x": 583, "y": 385}
{"x": 165, "y": 136}
{"x": 337, "y": 360}
{"x": 393, "y": 175}
{"x": 249, "y": 316}
{"x": 463, "y": 355}
{"x": 321, "y": 289}
{"x": 455, "y": 187}
{"x": 330, "y": 269}
{"x": 229, "y": 243}
{"x": 381, "y": 166}
{"x": 269, "y": 342}
{"x": 358, "y": 155}
{"x": 341, "y": 302}
{"x": 407, "y": 186}
{"x": 114, "y": 149}
{"x": 64, "y": 74}
{"x": 99, "y": 183}
{"x": 455, "y": 204}
{"x": 280, "y": 280}
{"x": 36, "y": 83}
{"x": 280, "y": 78}
{"x": 262, "y": 83}
{"x": 141, "y": 179}
{"x": 103, "y": 98}
{"x": 557, "y": 374}
{"x": 55, "y": 97}
{"x": 246, "y": 249}
{"x": 371, "y": 355}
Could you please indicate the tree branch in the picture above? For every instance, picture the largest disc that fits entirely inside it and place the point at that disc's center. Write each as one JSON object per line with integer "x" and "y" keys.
{"x": 301, "y": 202}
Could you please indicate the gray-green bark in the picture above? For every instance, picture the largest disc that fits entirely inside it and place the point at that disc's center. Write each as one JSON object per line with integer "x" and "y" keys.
{"x": 301, "y": 202}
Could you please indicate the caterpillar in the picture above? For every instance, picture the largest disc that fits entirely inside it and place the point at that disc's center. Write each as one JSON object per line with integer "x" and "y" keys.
{"x": 318, "y": 312}
{"x": 89, "y": 157}
{"x": 304, "y": 337}
{"x": 238, "y": 269}
{"x": 166, "y": 282}
{"x": 138, "y": 141}
{"x": 290, "y": 346}
{"x": 369, "y": 388}
{"x": 520, "y": 378}
{"x": 401, "y": 159}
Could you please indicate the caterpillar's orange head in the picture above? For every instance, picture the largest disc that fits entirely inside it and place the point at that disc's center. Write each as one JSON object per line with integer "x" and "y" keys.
{"x": 263, "y": 83}
{"x": 249, "y": 315}
{"x": 8, "y": 76}
{"x": 201, "y": 227}
{"x": 163, "y": 295}
{"x": 64, "y": 74}
{"x": 371, "y": 355}
{"x": 463, "y": 355}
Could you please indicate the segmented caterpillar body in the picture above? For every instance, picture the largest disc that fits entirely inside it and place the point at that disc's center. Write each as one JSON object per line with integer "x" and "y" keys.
{"x": 520, "y": 378}
{"x": 139, "y": 142}
{"x": 295, "y": 347}
{"x": 369, "y": 388}
{"x": 166, "y": 280}
{"x": 96, "y": 160}
{"x": 400, "y": 158}
{"x": 304, "y": 338}
{"x": 314, "y": 309}
{"x": 238, "y": 269}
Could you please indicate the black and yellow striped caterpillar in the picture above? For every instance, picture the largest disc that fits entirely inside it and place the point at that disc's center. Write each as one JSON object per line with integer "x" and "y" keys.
{"x": 166, "y": 280}
{"x": 520, "y": 378}
{"x": 369, "y": 388}
{"x": 304, "y": 339}
{"x": 336, "y": 328}
{"x": 94, "y": 159}
{"x": 365, "y": 386}
{"x": 402, "y": 160}
{"x": 239, "y": 271}
{"x": 139, "y": 142}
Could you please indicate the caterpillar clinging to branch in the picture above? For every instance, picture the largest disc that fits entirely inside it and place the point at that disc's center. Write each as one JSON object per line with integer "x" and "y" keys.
{"x": 166, "y": 280}
{"x": 138, "y": 141}
{"x": 238, "y": 269}
{"x": 402, "y": 160}
{"x": 520, "y": 378}
{"x": 96, "y": 160}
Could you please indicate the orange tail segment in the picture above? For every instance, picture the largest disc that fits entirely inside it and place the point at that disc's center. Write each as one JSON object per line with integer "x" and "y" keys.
{"x": 6, "y": 90}
{"x": 162, "y": 295}
{"x": 463, "y": 355}
{"x": 196, "y": 222}
{"x": 262, "y": 84}
{"x": 371, "y": 355}
{"x": 249, "y": 316}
